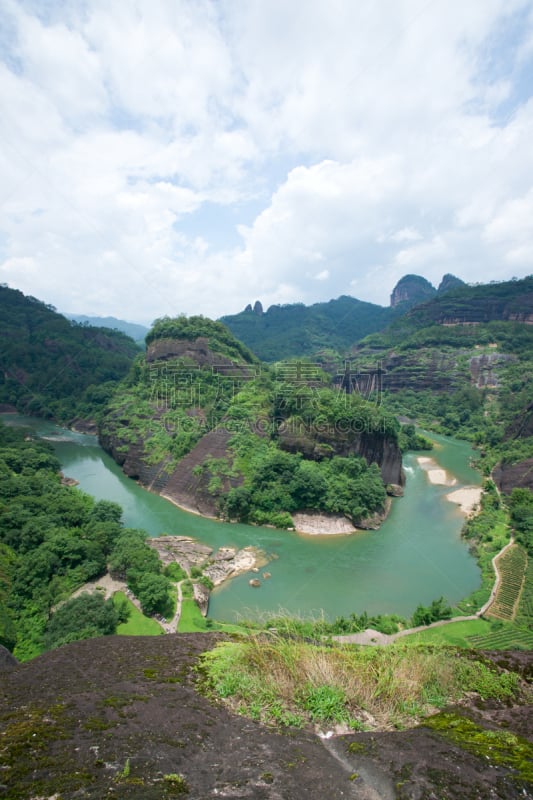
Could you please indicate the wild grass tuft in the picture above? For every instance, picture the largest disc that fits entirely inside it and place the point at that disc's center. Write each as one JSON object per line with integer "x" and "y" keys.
{"x": 288, "y": 682}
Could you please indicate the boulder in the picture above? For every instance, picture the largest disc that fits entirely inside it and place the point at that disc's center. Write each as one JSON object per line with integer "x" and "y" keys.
{"x": 7, "y": 660}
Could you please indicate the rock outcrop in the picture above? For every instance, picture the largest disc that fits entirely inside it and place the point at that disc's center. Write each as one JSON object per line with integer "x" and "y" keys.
{"x": 411, "y": 290}
{"x": 121, "y": 716}
{"x": 188, "y": 487}
{"x": 510, "y": 476}
{"x": 345, "y": 440}
{"x": 218, "y": 566}
{"x": 449, "y": 282}
{"x": 7, "y": 660}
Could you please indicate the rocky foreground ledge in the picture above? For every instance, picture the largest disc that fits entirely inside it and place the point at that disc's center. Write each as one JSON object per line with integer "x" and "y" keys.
{"x": 122, "y": 717}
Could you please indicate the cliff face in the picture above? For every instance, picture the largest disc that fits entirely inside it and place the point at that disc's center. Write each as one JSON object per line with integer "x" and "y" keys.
{"x": 410, "y": 290}
{"x": 189, "y": 487}
{"x": 374, "y": 447}
{"x": 514, "y": 476}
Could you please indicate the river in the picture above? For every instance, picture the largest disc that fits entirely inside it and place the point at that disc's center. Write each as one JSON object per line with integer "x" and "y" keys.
{"x": 416, "y": 556}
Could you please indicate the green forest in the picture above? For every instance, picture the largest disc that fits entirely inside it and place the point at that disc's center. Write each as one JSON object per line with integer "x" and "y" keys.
{"x": 53, "y": 539}
{"x": 50, "y": 367}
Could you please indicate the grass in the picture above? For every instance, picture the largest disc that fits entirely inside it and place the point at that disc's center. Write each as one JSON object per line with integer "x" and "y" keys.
{"x": 288, "y": 682}
{"x": 191, "y": 619}
{"x": 137, "y": 624}
{"x": 479, "y": 634}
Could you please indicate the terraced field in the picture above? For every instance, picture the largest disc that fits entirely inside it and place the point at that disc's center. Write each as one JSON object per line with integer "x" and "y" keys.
{"x": 524, "y": 614}
{"x": 512, "y": 567}
{"x": 510, "y": 637}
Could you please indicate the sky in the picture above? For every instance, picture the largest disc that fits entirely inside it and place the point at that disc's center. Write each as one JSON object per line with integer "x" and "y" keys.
{"x": 162, "y": 157}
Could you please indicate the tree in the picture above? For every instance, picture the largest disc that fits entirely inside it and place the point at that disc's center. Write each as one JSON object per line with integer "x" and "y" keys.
{"x": 153, "y": 592}
{"x": 131, "y": 555}
{"x": 82, "y": 617}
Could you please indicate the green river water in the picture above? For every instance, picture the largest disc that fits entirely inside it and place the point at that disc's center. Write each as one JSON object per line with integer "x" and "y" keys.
{"x": 417, "y": 554}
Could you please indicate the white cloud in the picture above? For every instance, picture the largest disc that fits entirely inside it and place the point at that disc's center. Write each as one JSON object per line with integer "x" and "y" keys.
{"x": 161, "y": 156}
{"x": 322, "y": 276}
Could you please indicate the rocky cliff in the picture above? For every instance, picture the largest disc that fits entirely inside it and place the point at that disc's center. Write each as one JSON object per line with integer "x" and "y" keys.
{"x": 342, "y": 440}
{"x": 173, "y": 423}
{"x": 410, "y": 290}
{"x": 123, "y": 717}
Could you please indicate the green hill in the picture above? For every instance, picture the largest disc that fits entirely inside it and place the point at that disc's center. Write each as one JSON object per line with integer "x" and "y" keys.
{"x": 52, "y": 367}
{"x": 201, "y": 421}
{"x": 299, "y": 330}
{"x": 134, "y": 330}
{"x": 463, "y": 364}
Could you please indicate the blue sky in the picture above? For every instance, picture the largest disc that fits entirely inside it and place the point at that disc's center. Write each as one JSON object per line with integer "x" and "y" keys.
{"x": 164, "y": 157}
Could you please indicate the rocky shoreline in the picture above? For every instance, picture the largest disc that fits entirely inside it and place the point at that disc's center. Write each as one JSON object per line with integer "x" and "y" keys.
{"x": 218, "y": 566}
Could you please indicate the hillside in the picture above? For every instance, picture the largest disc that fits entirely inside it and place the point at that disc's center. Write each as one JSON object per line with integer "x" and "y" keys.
{"x": 463, "y": 364}
{"x": 299, "y": 330}
{"x": 52, "y": 367}
{"x": 201, "y": 421}
{"x": 134, "y": 330}
{"x": 296, "y": 330}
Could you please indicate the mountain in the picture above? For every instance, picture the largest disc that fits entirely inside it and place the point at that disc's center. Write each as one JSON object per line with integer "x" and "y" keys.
{"x": 299, "y": 330}
{"x": 52, "y": 367}
{"x": 410, "y": 290}
{"x": 449, "y": 282}
{"x": 201, "y": 421}
{"x": 463, "y": 363}
{"x": 132, "y": 329}
{"x": 296, "y": 330}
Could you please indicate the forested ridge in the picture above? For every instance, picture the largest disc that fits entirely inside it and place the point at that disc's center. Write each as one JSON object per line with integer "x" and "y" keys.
{"x": 51, "y": 367}
{"x": 284, "y": 331}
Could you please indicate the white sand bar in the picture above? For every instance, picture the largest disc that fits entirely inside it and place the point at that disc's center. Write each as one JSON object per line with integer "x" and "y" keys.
{"x": 468, "y": 498}
{"x": 436, "y": 475}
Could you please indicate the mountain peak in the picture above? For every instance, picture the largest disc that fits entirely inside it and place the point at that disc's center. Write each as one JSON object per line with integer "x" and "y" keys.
{"x": 449, "y": 282}
{"x": 412, "y": 289}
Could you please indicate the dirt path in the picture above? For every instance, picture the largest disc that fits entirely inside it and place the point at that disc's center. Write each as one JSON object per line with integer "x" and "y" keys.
{"x": 172, "y": 626}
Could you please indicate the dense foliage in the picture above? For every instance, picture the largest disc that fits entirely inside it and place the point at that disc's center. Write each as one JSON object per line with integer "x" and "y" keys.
{"x": 277, "y": 483}
{"x": 54, "y": 538}
{"x": 83, "y": 617}
{"x": 521, "y": 508}
{"x": 291, "y": 465}
{"x": 285, "y": 422}
{"x": 299, "y": 330}
{"x": 55, "y": 368}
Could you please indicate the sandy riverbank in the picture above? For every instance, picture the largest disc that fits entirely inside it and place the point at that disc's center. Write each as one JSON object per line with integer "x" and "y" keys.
{"x": 467, "y": 498}
{"x": 322, "y": 524}
{"x": 436, "y": 475}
